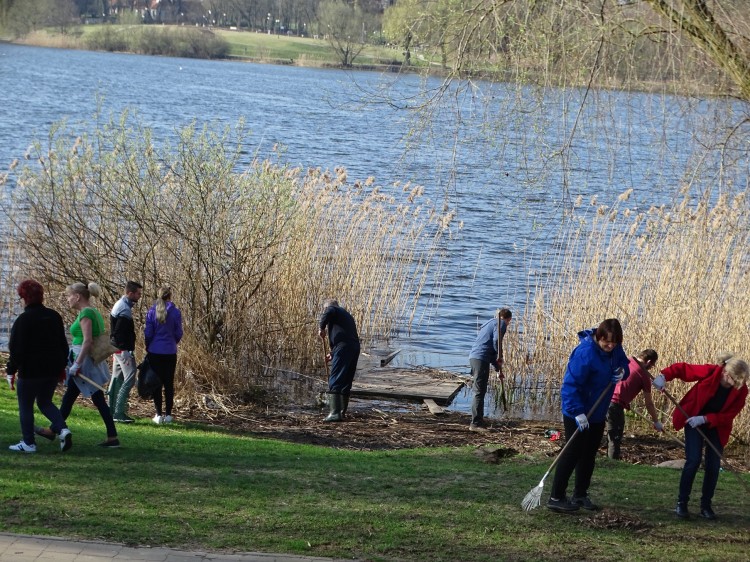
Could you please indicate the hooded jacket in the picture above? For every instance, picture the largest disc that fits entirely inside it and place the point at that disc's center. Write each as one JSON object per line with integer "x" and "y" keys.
{"x": 588, "y": 374}
{"x": 708, "y": 377}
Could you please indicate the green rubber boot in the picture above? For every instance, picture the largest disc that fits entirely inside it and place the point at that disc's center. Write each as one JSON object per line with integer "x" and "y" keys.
{"x": 336, "y": 403}
{"x": 344, "y": 405}
{"x": 112, "y": 393}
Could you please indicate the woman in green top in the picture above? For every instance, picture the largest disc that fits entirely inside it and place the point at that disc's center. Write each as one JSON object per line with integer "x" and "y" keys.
{"x": 87, "y": 326}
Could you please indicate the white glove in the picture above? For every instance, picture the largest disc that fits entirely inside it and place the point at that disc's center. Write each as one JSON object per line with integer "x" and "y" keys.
{"x": 582, "y": 422}
{"x": 11, "y": 381}
{"x": 658, "y": 426}
{"x": 695, "y": 421}
{"x": 73, "y": 369}
{"x": 659, "y": 382}
{"x": 617, "y": 375}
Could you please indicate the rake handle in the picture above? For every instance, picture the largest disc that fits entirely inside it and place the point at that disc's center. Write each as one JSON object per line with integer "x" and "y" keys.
{"x": 577, "y": 431}
{"x": 700, "y": 432}
{"x": 325, "y": 357}
{"x": 499, "y": 353}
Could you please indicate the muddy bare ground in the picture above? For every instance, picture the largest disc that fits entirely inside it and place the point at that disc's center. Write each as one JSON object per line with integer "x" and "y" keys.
{"x": 374, "y": 428}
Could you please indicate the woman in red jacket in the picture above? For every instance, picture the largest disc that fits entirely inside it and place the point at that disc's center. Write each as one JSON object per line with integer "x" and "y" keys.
{"x": 711, "y": 406}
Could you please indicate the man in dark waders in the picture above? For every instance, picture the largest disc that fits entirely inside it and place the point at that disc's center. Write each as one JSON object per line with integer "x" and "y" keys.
{"x": 344, "y": 342}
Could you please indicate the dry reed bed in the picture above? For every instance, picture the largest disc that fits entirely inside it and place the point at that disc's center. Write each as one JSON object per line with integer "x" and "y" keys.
{"x": 677, "y": 278}
{"x": 250, "y": 250}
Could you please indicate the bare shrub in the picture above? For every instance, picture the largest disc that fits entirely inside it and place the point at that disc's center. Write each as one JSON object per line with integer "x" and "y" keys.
{"x": 249, "y": 250}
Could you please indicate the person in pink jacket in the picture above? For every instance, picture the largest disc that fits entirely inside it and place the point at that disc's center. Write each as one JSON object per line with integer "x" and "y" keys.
{"x": 625, "y": 392}
{"x": 711, "y": 406}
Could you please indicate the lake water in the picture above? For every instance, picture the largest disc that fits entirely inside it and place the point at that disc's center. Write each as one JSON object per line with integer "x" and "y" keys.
{"x": 493, "y": 152}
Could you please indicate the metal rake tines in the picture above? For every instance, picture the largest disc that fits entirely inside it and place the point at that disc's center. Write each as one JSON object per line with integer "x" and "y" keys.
{"x": 532, "y": 500}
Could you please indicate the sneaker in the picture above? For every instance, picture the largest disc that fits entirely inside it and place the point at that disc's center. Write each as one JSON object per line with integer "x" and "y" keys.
{"x": 585, "y": 502}
{"x": 682, "y": 511}
{"x": 478, "y": 428}
{"x": 562, "y": 505}
{"x": 48, "y": 434}
{"x": 167, "y": 419}
{"x": 708, "y": 513}
{"x": 124, "y": 418}
{"x": 114, "y": 444}
{"x": 22, "y": 447}
{"x": 157, "y": 419}
{"x": 66, "y": 440}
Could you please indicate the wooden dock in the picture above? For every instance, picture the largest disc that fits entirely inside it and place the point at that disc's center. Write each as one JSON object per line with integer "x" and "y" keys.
{"x": 407, "y": 384}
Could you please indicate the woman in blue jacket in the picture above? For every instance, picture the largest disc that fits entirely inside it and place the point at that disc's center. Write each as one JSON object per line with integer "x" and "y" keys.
{"x": 594, "y": 367}
{"x": 163, "y": 332}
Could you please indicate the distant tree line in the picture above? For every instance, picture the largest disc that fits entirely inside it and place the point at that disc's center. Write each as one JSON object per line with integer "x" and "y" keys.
{"x": 297, "y": 17}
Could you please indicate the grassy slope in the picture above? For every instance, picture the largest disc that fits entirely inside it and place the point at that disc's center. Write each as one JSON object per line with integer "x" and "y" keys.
{"x": 202, "y": 487}
{"x": 243, "y": 44}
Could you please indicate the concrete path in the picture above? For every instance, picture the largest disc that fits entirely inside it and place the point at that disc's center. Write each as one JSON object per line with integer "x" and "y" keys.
{"x": 28, "y": 548}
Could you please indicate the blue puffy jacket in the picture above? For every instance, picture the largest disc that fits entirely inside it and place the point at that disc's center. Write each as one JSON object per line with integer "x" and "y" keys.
{"x": 590, "y": 370}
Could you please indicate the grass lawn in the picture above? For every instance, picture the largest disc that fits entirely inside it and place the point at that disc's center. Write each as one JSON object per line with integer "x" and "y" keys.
{"x": 196, "y": 486}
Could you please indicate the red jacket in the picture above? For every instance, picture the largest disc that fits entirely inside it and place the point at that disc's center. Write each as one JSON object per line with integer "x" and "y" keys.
{"x": 708, "y": 377}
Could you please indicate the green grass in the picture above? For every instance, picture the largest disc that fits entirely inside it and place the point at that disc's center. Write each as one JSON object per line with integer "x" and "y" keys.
{"x": 194, "y": 486}
{"x": 301, "y": 50}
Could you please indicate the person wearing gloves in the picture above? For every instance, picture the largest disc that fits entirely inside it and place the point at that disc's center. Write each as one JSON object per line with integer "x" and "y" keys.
{"x": 84, "y": 376}
{"x": 38, "y": 355}
{"x": 596, "y": 365}
{"x": 487, "y": 350}
{"x": 625, "y": 392}
{"x": 706, "y": 411}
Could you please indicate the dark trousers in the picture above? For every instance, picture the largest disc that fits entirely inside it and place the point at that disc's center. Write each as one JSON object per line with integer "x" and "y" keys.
{"x": 41, "y": 391}
{"x": 480, "y": 374}
{"x": 693, "y": 452}
{"x": 579, "y": 457}
{"x": 344, "y": 359}
{"x": 615, "y": 429}
{"x": 97, "y": 398}
{"x": 164, "y": 365}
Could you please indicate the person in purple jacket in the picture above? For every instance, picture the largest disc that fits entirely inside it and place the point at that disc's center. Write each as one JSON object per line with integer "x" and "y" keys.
{"x": 163, "y": 332}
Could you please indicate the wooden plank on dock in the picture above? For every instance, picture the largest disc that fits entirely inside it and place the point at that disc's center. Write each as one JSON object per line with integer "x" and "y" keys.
{"x": 407, "y": 384}
{"x": 432, "y": 407}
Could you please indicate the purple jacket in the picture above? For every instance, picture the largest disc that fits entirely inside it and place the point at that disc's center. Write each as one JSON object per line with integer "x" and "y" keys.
{"x": 162, "y": 339}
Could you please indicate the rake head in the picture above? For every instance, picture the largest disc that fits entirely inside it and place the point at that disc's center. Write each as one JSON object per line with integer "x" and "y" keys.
{"x": 532, "y": 500}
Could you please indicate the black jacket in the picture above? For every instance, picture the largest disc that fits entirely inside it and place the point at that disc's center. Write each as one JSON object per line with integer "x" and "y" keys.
{"x": 122, "y": 327}
{"x": 342, "y": 329}
{"x": 38, "y": 348}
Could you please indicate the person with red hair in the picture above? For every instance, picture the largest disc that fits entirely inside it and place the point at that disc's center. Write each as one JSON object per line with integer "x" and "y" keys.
{"x": 38, "y": 355}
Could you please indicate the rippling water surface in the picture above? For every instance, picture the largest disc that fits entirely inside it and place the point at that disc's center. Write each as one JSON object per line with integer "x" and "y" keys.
{"x": 495, "y": 161}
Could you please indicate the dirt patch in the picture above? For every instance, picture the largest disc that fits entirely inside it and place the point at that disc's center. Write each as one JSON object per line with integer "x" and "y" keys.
{"x": 369, "y": 428}
{"x": 612, "y": 519}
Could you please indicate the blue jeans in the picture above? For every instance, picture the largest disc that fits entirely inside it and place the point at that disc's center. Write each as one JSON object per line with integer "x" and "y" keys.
{"x": 41, "y": 391}
{"x": 693, "y": 452}
{"x": 480, "y": 374}
{"x": 344, "y": 359}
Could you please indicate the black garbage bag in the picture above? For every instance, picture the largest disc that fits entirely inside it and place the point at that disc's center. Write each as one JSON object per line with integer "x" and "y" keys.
{"x": 148, "y": 382}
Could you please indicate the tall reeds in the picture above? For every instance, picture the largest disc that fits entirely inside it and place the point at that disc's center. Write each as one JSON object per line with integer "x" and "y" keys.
{"x": 677, "y": 278}
{"x": 251, "y": 249}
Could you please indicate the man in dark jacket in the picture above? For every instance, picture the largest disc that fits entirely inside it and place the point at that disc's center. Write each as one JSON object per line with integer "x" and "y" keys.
{"x": 344, "y": 342}
{"x": 122, "y": 334}
{"x": 38, "y": 355}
